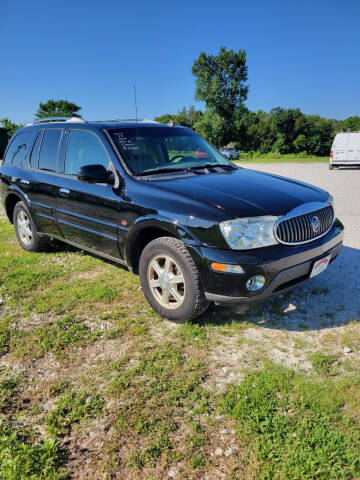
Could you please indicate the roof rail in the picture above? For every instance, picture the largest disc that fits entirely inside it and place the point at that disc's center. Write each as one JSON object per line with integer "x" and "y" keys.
{"x": 139, "y": 120}
{"x": 57, "y": 119}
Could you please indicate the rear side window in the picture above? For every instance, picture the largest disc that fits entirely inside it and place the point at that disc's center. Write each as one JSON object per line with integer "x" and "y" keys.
{"x": 35, "y": 151}
{"x": 16, "y": 152}
{"x": 49, "y": 149}
{"x": 84, "y": 148}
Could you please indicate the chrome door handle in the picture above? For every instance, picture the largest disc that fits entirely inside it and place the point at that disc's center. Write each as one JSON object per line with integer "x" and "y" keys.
{"x": 64, "y": 191}
{"x": 25, "y": 182}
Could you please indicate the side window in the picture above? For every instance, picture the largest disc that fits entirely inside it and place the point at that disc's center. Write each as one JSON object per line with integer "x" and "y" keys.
{"x": 49, "y": 149}
{"x": 15, "y": 154}
{"x": 84, "y": 148}
{"x": 35, "y": 150}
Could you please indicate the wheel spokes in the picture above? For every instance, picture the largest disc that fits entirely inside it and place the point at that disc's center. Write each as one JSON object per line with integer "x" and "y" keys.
{"x": 176, "y": 279}
{"x": 176, "y": 294}
{"x": 24, "y": 227}
{"x": 166, "y": 281}
{"x": 154, "y": 264}
{"x": 167, "y": 265}
{"x": 155, "y": 283}
{"x": 165, "y": 296}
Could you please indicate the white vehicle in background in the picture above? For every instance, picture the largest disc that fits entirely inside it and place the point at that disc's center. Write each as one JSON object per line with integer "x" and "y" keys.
{"x": 345, "y": 150}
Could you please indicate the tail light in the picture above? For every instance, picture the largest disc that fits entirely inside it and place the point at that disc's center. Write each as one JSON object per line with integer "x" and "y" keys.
{"x": 331, "y": 154}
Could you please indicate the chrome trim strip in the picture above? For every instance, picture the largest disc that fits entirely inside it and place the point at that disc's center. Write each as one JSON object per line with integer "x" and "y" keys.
{"x": 304, "y": 209}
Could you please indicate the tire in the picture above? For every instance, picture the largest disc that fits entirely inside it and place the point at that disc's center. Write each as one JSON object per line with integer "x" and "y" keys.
{"x": 180, "y": 301}
{"x": 26, "y": 231}
{"x": 331, "y": 167}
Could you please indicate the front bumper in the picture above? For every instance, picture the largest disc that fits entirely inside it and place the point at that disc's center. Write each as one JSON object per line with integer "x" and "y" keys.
{"x": 282, "y": 266}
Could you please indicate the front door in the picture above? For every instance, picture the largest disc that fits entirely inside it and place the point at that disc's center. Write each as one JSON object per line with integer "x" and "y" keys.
{"x": 88, "y": 214}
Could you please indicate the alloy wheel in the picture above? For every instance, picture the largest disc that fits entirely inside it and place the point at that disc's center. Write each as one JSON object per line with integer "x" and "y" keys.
{"x": 166, "y": 281}
{"x": 24, "y": 227}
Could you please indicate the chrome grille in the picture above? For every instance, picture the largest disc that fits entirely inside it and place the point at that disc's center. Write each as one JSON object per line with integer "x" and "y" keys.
{"x": 305, "y": 228}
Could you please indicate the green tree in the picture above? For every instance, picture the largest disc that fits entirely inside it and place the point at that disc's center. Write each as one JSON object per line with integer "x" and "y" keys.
{"x": 184, "y": 117}
{"x": 300, "y": 143}
{"x": 283, "y": 125}
{"x": 259, "y": 135}
{"x": 165, "y": 118}
{"x": 58, "y": 108}
{"x": 214, "y": 128}
{"x": 350, "y": 123}
{"x": 9, "y": 126}
{"x": 221, "y": 81}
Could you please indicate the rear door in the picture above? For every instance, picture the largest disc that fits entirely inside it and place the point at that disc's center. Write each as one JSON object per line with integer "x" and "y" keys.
{"x": 42, "y": 178}
{"x": 340, "y": 148}
{"x": 12, "y": 170}
{"x": 88, "y": 213}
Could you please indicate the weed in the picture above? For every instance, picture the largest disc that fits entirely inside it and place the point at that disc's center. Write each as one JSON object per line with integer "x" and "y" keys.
{"x": 5, "y": 334}
{"x": 323, "y": 363}
{"x": 351, "y": 338}
{"x": 54, "y": 337}
{"x": 24, "y": 457}
{"x": 9, "y": 385}
{"x": 72, "y": 408}
{"x": 198, "y": 461}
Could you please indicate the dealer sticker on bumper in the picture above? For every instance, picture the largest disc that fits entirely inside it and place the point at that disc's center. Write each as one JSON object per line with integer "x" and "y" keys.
{"x": 320, "y": 266}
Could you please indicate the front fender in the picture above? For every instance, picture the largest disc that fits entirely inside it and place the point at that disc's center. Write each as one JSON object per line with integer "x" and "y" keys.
{"x": 158, "y": 222}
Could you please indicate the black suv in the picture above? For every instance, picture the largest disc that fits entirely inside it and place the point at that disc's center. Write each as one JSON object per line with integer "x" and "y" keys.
{"x": 166, "y": 204}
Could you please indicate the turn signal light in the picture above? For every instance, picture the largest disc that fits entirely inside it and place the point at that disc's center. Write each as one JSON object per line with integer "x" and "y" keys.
{"x": 226, "y": 268}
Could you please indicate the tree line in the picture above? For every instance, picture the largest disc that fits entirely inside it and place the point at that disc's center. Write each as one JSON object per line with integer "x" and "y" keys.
{"x": 221, "y": 83}
{"x": 281, "y": 130}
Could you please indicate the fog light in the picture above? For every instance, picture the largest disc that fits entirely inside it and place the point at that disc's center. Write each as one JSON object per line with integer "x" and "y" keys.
{"x": 255, "y": 283}
{"x": 226, "y": 268}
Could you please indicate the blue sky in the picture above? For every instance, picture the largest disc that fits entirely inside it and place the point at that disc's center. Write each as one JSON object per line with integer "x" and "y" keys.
{"x": 300, "y": 54}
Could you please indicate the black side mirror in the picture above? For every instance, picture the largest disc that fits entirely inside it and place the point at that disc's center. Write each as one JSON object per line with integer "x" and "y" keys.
{"x": 95, "y": 174}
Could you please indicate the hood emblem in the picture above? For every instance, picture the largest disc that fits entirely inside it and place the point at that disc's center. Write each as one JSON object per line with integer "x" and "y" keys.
{"x": 315, "y": 224}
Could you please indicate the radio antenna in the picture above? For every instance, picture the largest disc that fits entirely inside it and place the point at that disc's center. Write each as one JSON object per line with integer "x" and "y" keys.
{"x": 136, "y": 110}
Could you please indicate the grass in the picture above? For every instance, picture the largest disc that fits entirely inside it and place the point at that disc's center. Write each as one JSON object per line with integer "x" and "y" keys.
{"x": 93, "y": 383}
{"x": 295, "y": 428}
{"x": 23, "y": 453}
{"x": 322, "y": 363}
{"x": 23, "y": 457}
{"x": 277, "y": 158}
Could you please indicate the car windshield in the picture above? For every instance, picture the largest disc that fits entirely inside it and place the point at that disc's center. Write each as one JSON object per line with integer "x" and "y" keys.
{"x": 149, "y": 150}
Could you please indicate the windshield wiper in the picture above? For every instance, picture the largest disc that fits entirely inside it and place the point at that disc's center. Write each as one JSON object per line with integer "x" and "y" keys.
{"x": 207, "y": 165}
{"x": 185, "y": 169}
{"x": 162, "y": 170}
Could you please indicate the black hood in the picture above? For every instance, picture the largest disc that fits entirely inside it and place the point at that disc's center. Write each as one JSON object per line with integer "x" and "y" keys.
{"x": 245, "y": 192}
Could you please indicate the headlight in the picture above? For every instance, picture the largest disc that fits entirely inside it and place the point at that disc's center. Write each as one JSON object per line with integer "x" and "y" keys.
{"x": 332, "y": 203}
{"x": 248, "y": 233}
